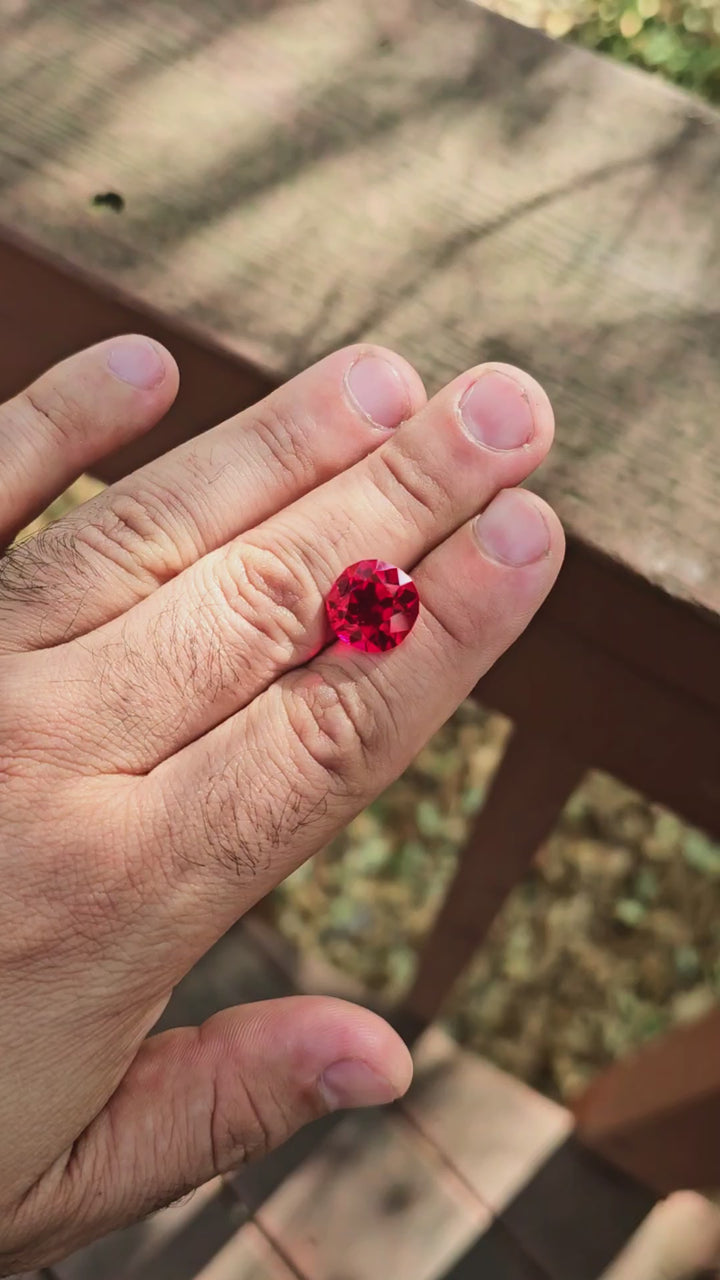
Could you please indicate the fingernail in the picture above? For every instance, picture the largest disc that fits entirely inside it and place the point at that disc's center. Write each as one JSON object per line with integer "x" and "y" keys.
{"x": 137, "y": 361}
{"x": 513, "y": 530}
{"x": 496, "y": 412}
{"x": 351, "y": 1083}
{"x": 378, "y": 391}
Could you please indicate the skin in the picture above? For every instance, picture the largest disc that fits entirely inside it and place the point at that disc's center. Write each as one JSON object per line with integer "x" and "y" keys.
{"x": 178, "y": 732}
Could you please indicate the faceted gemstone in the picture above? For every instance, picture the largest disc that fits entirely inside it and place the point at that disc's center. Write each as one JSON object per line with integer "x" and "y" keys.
{"x": 372, "y": 606}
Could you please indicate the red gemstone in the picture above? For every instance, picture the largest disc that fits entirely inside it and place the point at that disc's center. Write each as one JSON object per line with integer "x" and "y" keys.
{"x": 373, "y": 606}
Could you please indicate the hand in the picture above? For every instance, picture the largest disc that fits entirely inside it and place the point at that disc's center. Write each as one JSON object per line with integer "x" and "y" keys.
{"x": 177, "y": 736}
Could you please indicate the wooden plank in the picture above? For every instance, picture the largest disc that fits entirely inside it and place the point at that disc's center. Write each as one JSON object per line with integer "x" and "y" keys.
{"x": 576, "y": 1214}
{"x": 656, "y": 1113}
{"x": 374, "y": 1200}
{"x": 249, "y": 1255}
{"x": 630, "y": 620}
{"x": 493, "y": 1130}
{"x": 567, "y": 1210}
{"x": 535, "y": 779}
{"x": 447, "y": 183}
{"x": 253, "y": 1184}
{"x": 57, "y": 309}
{"x": 679, "y": 1240}
{"x": 495, "y": 1256}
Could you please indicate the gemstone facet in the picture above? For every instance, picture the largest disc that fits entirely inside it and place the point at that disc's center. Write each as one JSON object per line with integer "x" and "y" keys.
{"x": 372, "y": 606}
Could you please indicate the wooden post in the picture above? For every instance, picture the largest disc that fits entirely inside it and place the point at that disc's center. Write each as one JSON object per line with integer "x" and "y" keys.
{"x": 534, "y": 780}
{"x": 657, "y": 1113}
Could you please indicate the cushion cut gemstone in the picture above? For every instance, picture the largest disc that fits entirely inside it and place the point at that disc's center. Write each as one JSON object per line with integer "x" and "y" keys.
{"x": 372, "y": 606}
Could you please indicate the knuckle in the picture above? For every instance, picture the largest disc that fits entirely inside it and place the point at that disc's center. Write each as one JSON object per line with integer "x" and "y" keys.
{"x": 248, "y": 1115}
{"x": 403, "y": 480}
{"x": 138, "y": 535}
{"x": 239, "y": 1132}
{"x": 454, "y": 629}
{"x": 274, "y": 593}
{"x": 342, "y": 725}
{"x": 54, "y": 408}
{"x": 287, "y": 439}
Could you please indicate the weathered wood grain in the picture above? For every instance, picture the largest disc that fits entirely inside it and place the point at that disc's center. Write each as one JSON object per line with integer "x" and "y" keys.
{"x": 375, "y": 1199}
{"x": 249, "y": 1255}
{"x": 648, "y": 732}
{"x": 494, "y": 1131}
{"x": 300, "y": 174}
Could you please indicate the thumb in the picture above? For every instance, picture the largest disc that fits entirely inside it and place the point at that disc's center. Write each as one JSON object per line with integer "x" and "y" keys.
{"x": 198, "y": 1101}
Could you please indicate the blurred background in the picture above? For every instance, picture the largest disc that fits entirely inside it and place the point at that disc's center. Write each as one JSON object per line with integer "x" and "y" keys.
{"x": 678, "y": 39}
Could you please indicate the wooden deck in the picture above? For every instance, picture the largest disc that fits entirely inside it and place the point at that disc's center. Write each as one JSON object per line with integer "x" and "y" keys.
{"x": 473, "y": 1175}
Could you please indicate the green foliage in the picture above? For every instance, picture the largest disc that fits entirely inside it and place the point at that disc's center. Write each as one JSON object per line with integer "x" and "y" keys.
{"x": 646, "y": 885}
{"x": 630, "y": 912}
{"x": 687, "y": 962}
{"x": 677, "y": 39}
{"x": 702, "y": 854}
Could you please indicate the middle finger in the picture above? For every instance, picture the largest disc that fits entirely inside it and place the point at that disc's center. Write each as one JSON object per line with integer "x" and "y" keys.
{"x": 206, "y": 644}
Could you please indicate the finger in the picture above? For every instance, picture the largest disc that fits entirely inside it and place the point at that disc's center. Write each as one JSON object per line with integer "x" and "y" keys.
{"x": 100, "y": 560}
{"x": 232, "y": 814}
{"x": 210, "y": 641}
{"x": 82, "y": 409}
{"x": 200, "y": 1101}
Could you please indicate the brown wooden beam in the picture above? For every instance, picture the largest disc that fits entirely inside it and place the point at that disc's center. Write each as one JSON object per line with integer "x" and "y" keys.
{"x": 530, "y": 788}
{"x": 612, "y": 715}
{"x": 48, "y": 309}
{"x": 656, "y": 1114}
